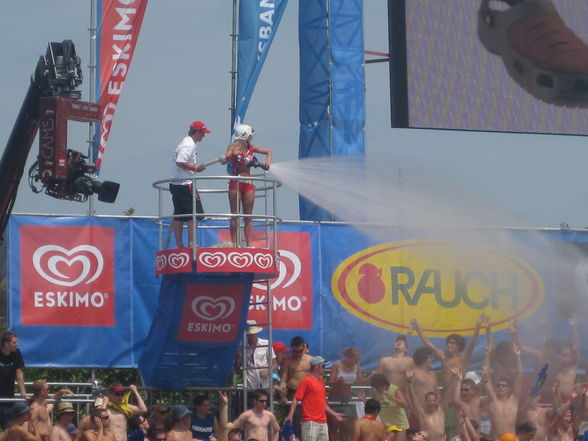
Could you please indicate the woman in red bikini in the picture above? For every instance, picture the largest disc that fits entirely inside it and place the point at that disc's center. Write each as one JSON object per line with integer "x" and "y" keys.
{"x": 241, "y": 159}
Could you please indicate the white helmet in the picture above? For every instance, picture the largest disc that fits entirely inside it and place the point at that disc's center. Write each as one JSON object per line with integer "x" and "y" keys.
{"x": 243, "y": 131}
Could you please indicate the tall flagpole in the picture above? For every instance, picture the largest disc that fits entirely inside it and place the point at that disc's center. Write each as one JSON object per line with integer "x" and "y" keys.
{"x": 234, "y": 37}
{"x": 91, "y": 95}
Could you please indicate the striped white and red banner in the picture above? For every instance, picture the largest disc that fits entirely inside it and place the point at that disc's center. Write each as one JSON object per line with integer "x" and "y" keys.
{"x": 119, "y": 24}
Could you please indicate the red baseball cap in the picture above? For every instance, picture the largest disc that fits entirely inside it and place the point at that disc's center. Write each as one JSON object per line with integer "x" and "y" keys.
{"x": 199, "y": 126}
{"x": 278, "y": 346}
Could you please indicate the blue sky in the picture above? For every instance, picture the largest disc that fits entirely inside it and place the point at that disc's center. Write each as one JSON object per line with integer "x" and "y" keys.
{"x": 181, "y": 73}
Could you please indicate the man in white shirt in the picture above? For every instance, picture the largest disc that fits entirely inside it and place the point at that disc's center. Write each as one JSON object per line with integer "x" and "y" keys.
{"x": 258, "y": 367}
{"x": 184, "y": 167}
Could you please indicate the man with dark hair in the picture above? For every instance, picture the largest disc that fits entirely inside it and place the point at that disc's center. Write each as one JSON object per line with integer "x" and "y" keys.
{"x": 526, "y": 431}
{"x": 313, "y": 395}
{"x": 423, "y": 378}
{"x": 392, "y": 401}
{"x": 452, "y": 358}
{"x": 431, "y": 414}
{"x": 11, "y": 368}
{"x": 367, "y": 428}
{"x": 394, "y": 367}
{"x": 204, "y": 423}
{"x": 184, "y": 167}
{"x": 296, "y": 366}
{"x": 258, "y": 422}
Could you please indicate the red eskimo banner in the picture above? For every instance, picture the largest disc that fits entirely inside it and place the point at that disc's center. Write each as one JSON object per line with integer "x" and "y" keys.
{"x": 119, "y": 23}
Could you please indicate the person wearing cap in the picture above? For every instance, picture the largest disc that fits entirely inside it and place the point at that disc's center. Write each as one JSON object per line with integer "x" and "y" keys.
{"x": 20, "y": 415}
{"x": 180, "y": 417}
{"x": 313, "y": 395}
{"x": 256, "y": 357}
{"x": 65, "y": 415}
{"x": 120, "y": 410}
{"x": 11, "y": 368}
{"x": 241, "y": 159}
{"x": 100, "y": 427}
{"x": 40, "y": 408}
{"x": 184, "y": 168}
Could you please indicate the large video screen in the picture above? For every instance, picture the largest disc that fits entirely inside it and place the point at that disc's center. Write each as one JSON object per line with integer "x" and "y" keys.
{"x": 501, "y": 65}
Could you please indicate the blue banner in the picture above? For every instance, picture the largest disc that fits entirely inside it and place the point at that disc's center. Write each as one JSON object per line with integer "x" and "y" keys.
{"x": 332, "y": 83}
{"x": 258, "y": 23}
{"x": 76, "y": 280}
{"x": 196, "y": 332}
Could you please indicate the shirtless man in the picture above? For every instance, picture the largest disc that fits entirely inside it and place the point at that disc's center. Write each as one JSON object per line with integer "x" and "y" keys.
{"x": 120, "y": 410}
{"x": 181, "y": 418}
{"x": 296, "y": 366}
{"x": 452, "y": 358}
{"x": 540, "y": 416}
{"x": 503, "y": 402}
{"x": 40, "y": 408}
{"x": 394, "y": 367}
{"x": 21, "y": 415}
{"x": 562, "y": 358}
{"x": 423, "y": 378}
{"x": 258, "y": 422}
{"x": 367, "y": 428}
{"x": 99, "y": 427}
{"x": 431, "y": 415}
{"x": 467, "y": 394}
{"x": 65, "y": 415}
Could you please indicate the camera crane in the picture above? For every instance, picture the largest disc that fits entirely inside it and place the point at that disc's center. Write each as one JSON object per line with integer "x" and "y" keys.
{"x": 52, "y": 99}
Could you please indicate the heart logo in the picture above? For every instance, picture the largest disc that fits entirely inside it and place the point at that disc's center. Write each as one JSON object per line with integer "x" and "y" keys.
{"x": 240, "y": 260}
{"x": 264, "y": 260}
{"x": 160, "y": 262}
{"x": 178, "y": 260}
{"x": 208, "y": 308}
{"x": 212, "y": 260}
{"x": 48, "y": 258}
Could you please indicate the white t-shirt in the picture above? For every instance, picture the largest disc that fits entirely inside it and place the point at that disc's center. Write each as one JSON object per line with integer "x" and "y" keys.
{"x": 257, "y": 357}
{"x": 186, "y": 151}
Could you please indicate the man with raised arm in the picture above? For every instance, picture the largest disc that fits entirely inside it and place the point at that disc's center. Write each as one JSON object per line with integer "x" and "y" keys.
{"x": 258, "y": 422}
{"x": 452, "y": 358}
{"x": 394, "y": 367}
{"x": 562, "y": 358}
{"x": 503, "y": 401}
{"x": 120, "y": 410}
{"x": 428, "y": 410}
{"x": 40, "y": 408}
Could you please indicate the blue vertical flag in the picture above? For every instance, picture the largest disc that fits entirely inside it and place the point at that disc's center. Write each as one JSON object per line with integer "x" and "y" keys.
{"x": 258, "y": 22}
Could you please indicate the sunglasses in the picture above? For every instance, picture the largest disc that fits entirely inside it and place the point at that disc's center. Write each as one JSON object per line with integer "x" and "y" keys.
{"x": 161, "y": 439}
{"x": 502, "y": 385}
{"x": 162, "y": 411}
{"x": 106, "y": 417}
{"x": 118, "y": 394}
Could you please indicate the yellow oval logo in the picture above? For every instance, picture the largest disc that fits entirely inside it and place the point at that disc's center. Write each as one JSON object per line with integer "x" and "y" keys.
{"x": 445, "y": 284}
